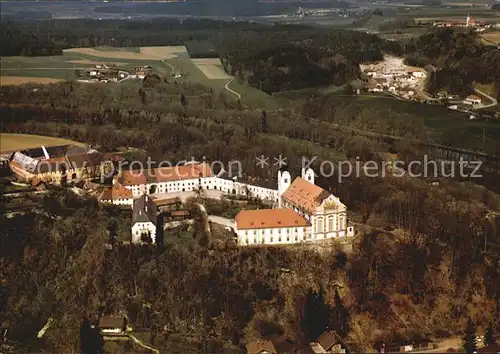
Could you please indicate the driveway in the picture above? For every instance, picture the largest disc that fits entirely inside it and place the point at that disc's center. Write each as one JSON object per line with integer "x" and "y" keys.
{"x": 493, "y": 100}
{"x": 222, "y": 221}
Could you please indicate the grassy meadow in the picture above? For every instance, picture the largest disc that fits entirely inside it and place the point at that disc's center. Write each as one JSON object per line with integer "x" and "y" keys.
{"x": 9, "y": 142}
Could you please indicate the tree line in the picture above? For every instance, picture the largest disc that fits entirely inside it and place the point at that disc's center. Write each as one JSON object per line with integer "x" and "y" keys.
{"x": 460, "y": 58}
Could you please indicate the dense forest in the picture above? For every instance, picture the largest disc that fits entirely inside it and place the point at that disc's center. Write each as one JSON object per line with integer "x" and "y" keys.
{"x": 460, "y": 58}
{"x": 218, "y": 7}
{"x": 293, "y": 59}
{"x": 34, "y": 38}
{"x": 272, "y": 58}
{"x": 426, "y": 257}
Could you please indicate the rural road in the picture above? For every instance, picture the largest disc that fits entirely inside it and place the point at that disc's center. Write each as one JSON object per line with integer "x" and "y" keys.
{"x": 444, "y": 344}
{"x": 221, "y": 221}
{"x": 139, "y": 342}
{"x": 170, "y": 65}
{"x": 492, "y": 99}
{"x": 230, "y": 90}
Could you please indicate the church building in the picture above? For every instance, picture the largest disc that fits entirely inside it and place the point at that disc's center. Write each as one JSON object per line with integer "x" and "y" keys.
{"x": 306, "y": 213}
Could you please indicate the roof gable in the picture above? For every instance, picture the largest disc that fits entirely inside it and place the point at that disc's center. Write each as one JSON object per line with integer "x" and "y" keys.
{"x": 111, "y": 322}
{"x": 132, "y": 178}
{"x": 144, "y": 210}
{"x": 328, "y": 339}
{"x": 177, "y": 173}
{"x": 305, "y": 194}
{"x": 269, "y": 218}
{"x": 116, "y": 192}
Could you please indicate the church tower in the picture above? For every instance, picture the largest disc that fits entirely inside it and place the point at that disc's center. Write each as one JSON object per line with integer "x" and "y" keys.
{"x": 308, "y": 175}
{"x": 284, "y": 181}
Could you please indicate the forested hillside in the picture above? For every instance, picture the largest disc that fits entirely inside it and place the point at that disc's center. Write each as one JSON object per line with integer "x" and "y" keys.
{"x": 426, "y": 258}
{"x": 289, "y": 59}
{"x": 460, "y": 57}
{"x": 50, "y": 37}
{"x": 272, "y": 58}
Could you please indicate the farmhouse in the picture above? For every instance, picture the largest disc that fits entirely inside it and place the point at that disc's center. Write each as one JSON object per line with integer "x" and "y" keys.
{"x": 112, "y": 325}
{"x": 417, "y": 74}
{"x": 328, "y": 342}
{"x": 473, "y": 100}
{"x": 117, "y": 195}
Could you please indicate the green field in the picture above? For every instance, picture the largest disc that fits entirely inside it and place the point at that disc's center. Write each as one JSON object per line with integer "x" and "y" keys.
{"x": 61, "y": 67}
{"x": 445, "y": 126}
{"x": 9, "y": 142}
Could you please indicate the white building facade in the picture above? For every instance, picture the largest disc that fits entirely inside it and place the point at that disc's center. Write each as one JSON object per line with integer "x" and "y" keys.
{"x": 144, "y": 220}
{"x": 270, "y": 227}
{"x": 302, "y": 211}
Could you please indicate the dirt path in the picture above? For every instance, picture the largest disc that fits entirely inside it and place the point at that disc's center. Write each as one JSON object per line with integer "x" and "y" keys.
{"x": 170, "y": 66}
{"x": 139, "y": 342}
{"x": 493, "y": 100}
{"x": 72, "y": 68}
{"x": 230, "y": 90}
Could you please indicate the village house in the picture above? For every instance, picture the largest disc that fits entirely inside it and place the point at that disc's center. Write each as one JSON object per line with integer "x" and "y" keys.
{"x": 112, "y": 325}
{"x": 261, "y": 346}
{"x": 328, "y": 342}
{"x": 179, "y": 215}
{"x": 418, "y": 74}
{"x": 473, "y": 100}
{"x": 144, "y": 220}
{"x": 117, "y": 195}
{"x": 382, "y": 81}
{"x": 374, "y": 86}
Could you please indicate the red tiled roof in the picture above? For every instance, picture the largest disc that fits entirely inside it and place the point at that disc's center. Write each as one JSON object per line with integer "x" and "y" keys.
{"x": 111, "y": 322}
{"x": 180, "y": 213}
{"x": 305, "y": 195}
{"x": 328, "y": 339}
{"x": 116, "y": 192}
{"x": 177, "y": 173}
{"x": 131, "y": 178}
{"x": 269, "y": 218}
{"x": 473, "y": 97}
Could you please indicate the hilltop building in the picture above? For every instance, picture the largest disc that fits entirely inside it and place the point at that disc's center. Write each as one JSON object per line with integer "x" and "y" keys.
{"x": 191, "y": 177}
{"x": 300, "y": 211}
{"x": 307, "y": 213}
